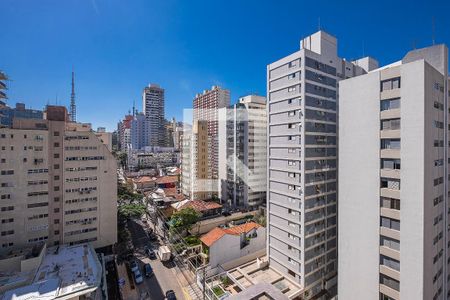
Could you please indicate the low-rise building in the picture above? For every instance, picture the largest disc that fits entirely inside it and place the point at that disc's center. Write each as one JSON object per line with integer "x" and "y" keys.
{"x": 207, "y": 209}
{"x": 59, "y": 272}
{"x": 230, "y": 247}
{"x": 144, "y": 183}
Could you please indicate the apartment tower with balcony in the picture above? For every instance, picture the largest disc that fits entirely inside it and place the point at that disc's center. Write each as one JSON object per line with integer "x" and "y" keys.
{"x": 302, "y": 162}
{"x": 393, "y": 186}
{"x": 58, "y": 184}
{"x": 242, "y": 153}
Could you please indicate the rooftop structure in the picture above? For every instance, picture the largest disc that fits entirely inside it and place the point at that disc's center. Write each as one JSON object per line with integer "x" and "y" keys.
{"x": 60, "y": 272}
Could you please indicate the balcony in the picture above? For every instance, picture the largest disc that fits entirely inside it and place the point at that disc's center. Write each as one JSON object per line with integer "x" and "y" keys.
{"x": 389, "y": 292}
{"x": 390, "y": 272}
{"x": 390, "y": 134}
{"x": 394, "y": 234}
{"x": 389, "y": 252}
{"x": 390, "y": 153}
{"x": 390, "y": 114}
{"x": 390, "y": 173}
{"x": 390, "y": 213}
{"x": 390, "y": 193}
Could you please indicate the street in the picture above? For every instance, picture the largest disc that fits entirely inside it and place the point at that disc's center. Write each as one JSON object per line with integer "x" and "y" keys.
{"x": 164, "y": 277}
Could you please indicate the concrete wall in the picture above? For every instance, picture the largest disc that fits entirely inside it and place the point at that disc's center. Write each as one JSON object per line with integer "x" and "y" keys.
{"x": 359, "y": 178}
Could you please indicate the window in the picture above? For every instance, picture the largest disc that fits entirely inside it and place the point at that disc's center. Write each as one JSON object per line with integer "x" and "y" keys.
{"x": 390, "y": 203}
{"x": 391, "y": 164}
{"x": 56, "y": 166}
{"x": 291, "y": 113}
{"x": 390, "y": 84}
{"x": 291, "y": 175}
{"x": 291, "y": 273}
{"x": 291, "y": 162}
{"x": 390, "y": 262}
{"x": 438, "y": 143}
{"x": 391, "y": 124}
{"x": 389, "y": 104}
{"x": 291, "y": 150}
{"x": 291, "y": 125}
{"x": 56, "y": 145}
{"x": 56, "y": 133}
{"x": 56, "y": 210}
{"x": 438, "y": 124}
{"x": 291, "y": 89}
{"x": 292, "y": 64}
{"x": 389, "y": 223}
{"x": 56, "y": 188}
{"x": 56, "y": 221}
{"x": 56, "y": 177}
{"x": 291, "y": 138}
{"x": 390, "y": 282}
{"x": 56, "y": 155}
{"x": 390, "y": 144}
{"x": 292, "y": 76}
{"x": 390, "y": 243}
{"x": 291, "y": 187}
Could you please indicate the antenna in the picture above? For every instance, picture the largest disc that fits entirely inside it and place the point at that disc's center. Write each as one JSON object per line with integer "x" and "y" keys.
{"x": 73, "y": 107}
{"x": 433, "y": 31}
{"x": 134, "y": 110}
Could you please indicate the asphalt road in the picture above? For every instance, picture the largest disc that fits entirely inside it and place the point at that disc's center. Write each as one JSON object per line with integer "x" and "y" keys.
{"x": 164, "y": 278}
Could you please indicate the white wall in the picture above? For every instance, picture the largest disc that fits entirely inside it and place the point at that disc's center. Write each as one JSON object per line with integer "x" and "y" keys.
{"x": 359, "y": 199}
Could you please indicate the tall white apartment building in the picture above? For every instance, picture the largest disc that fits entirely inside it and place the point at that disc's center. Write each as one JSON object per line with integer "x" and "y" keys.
{"x": 58, "y": 184}
{"x": 393, "y": 180}
{"x": 302, "y": 161}
{"x": 242, "y": 153}
{"x": 153, "y": 107}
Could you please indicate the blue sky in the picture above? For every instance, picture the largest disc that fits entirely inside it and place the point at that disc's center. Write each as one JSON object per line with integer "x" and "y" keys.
{"x": 117, "y": 47}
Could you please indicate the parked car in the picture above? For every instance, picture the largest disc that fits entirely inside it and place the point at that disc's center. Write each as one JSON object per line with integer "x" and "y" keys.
{"x": 138, "y": 277}
{"x": 170, "y": 295}
{"x": 150, "y": 253}
{"x": 226, "y": 213}
{"x": 148, "y": 271}
{"x": 134, "y": 266}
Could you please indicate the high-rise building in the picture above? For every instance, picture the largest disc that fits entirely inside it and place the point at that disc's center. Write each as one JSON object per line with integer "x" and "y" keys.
{"x": 302, "y": 161}
{"x": 393, "y": 180}
{"x": 124, "y": 132}
{"x": 57, "y": 184}
{"x": 140, "y": 131}
{"x": 3, "y": 87}
{"x": 206, "y": 108}
{"x": 7, "y": 114}
{"x": 153, "y": 107}
{"x": 195, "y": 175}
{"x": 242, "y": 153}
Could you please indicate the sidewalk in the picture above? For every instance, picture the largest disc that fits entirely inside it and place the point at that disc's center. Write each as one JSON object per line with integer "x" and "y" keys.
{"x": 127, "y": 292}
{"x": 188, "y": 283}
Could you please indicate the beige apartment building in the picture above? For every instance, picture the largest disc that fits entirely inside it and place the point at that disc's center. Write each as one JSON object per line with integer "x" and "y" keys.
{"x": 195, "y": 179}
{"x": 58, "y": 184}
{"x": 393, "y": 180}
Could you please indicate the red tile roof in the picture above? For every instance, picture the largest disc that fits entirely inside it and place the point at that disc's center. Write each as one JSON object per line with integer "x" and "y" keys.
{"x": 144, "y": 179}
{"x": 200, "y": 205}
{"x": 217, "y": 233}
{"x": 167, "y": 179}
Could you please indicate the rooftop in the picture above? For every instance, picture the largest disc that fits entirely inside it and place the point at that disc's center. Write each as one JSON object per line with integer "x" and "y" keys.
{"x": 198, "y": 205}
{"x": 65, "y": 271}
{"x": 217, "y": 233}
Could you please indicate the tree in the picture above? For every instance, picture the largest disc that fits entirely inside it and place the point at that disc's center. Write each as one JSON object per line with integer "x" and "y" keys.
{"x": 131, "y": 210}
{"x": 123, "y": 159}
{"x": 183, "y": 220}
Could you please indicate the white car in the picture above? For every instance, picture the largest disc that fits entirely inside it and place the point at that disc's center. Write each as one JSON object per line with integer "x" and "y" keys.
{"x": 138, "y": 277}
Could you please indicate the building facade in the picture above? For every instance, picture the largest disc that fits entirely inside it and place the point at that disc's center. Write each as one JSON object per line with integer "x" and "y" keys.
{"x": 58, "y": 184}
{"x": 243, "y": 164}
{"x": 393, "y": 186}
{"x": 7, "y": 114}
{"x": 302, "y": 161}
{"x": 140, "y": 131}
{"x": 195, "y": 173}
{"x": 153, "y": 107}
{"x": 206, "y": 108}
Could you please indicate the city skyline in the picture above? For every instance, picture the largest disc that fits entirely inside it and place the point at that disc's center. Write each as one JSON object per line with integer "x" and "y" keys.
{"x": 185, "y": 52}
